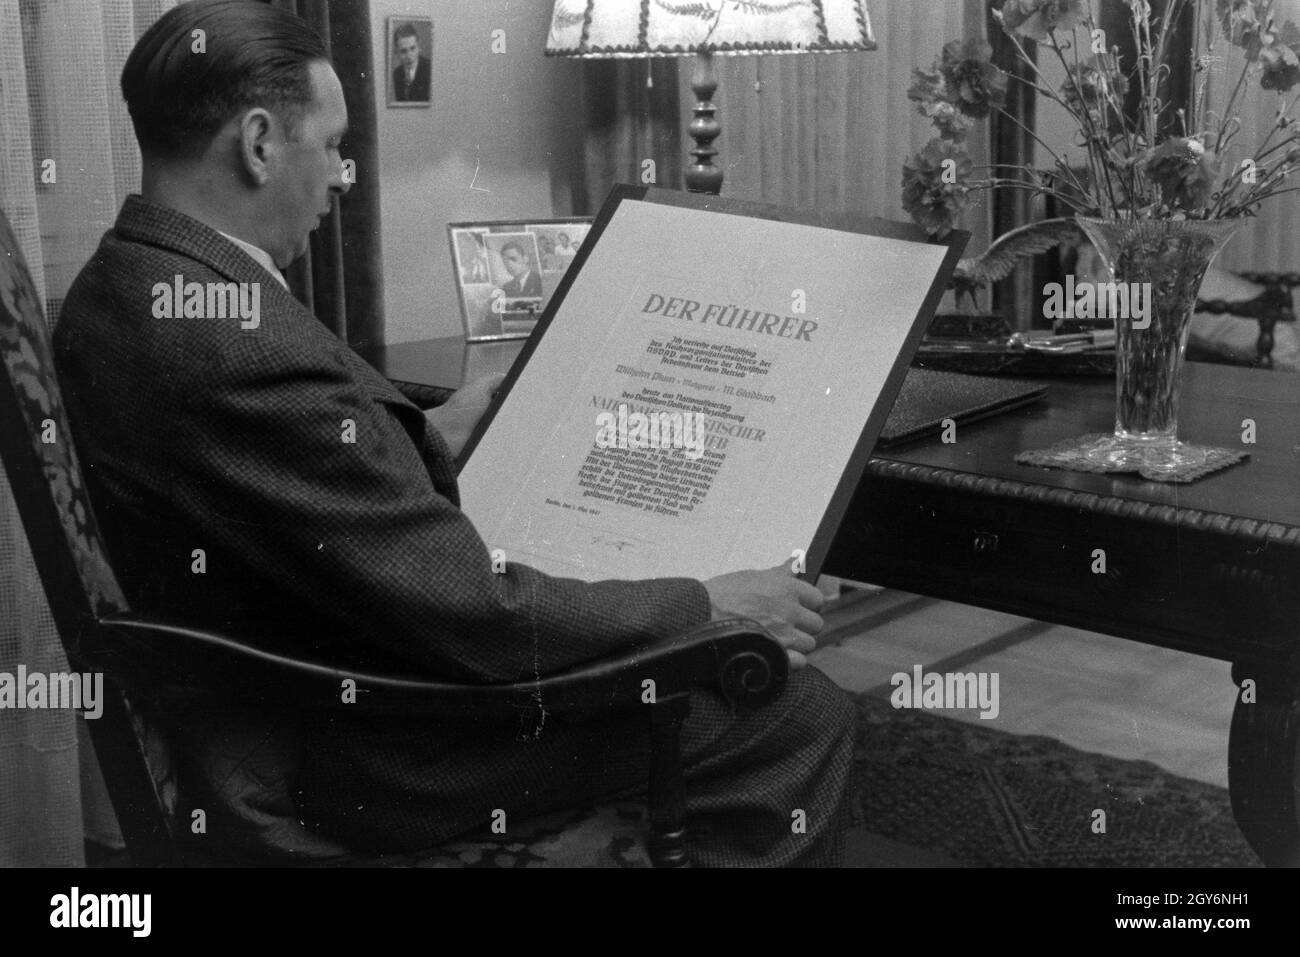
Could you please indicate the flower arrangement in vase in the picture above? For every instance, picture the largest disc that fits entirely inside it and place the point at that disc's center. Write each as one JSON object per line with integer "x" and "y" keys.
{"x": 1159, "y": 186}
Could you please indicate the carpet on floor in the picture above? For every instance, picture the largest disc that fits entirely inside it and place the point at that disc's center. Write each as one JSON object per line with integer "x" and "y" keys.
{"x": 987, "y": 798}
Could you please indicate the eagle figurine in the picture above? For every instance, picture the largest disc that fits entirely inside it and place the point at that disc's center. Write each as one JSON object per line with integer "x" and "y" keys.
{"x": 1007, "y": 250}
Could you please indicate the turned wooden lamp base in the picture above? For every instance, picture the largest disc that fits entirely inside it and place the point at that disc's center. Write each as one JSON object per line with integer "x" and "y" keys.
{"x": 702, "y": 176}
{"x": 674, "y": 28}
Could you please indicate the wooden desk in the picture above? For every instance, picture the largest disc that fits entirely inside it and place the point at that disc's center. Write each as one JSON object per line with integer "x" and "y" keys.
{"x": 441, "y": 365}
{"x": 1211, "y": 568}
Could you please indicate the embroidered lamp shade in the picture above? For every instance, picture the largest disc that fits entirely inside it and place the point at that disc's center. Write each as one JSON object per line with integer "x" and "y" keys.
{"x": 702, "y": 28}
{"x": 641, "y": 28}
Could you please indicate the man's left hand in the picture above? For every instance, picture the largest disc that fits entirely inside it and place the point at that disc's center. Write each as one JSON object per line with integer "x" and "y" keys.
{"x": 455, "y": 419}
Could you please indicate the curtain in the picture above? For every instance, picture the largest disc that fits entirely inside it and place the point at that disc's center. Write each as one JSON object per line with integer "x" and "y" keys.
{"x": 1272, "y": 242}
{"x": 1012, "y": 145}
{"x": 67, "y": 160}
{"x": 341, "y": 277}
{"x": 633, "y": 115}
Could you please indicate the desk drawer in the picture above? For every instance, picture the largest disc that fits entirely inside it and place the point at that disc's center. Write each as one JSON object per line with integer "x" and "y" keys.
{"x": 1119, "y": 571}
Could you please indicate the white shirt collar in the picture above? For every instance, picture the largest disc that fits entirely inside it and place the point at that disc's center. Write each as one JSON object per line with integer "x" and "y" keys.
{"x": 261, "y": 256}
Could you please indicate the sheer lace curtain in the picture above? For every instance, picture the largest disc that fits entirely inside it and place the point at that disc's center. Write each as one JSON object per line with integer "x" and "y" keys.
{"x": 67, "y": 160}
{"x": 832, "y": 131}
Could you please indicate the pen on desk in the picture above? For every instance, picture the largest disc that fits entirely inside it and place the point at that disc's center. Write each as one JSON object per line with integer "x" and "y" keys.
{"x": 1077, "y": 341}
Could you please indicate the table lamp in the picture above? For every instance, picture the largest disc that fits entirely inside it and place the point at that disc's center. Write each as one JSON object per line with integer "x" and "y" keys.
{"x": 654, "y": 28}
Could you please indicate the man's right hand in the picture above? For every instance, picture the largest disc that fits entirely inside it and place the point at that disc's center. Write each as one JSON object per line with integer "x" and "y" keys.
{"x": 455, "y": 419}
{"x": 774, "y": 598}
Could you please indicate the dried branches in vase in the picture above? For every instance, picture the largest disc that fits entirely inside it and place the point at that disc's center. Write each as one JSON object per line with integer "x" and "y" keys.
{"x": 1158, "y": 185}
{"x": 1134, "y": 164}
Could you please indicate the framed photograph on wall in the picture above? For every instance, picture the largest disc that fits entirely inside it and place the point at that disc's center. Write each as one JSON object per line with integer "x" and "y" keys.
{"x": 506, "y": 271}
{"x": 410, "y": 46}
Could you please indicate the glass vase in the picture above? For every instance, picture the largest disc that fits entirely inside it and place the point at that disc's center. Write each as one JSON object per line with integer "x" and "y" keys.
{"x": 1156, "y": 268}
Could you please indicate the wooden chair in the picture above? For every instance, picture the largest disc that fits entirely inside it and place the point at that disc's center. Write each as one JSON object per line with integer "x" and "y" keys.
{"x": 1271, "y": 306}
{"x": 149, "y": 664}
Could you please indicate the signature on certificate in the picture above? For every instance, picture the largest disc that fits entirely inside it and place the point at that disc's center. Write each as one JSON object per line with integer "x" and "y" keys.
{"x": 613, "y": 541}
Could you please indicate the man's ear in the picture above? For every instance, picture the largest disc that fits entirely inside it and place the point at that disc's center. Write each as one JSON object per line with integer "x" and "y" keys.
{"x": 255, "y": 145}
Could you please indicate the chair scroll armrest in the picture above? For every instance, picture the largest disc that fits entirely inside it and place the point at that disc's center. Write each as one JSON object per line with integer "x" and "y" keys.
{"x": 738, "y": 657}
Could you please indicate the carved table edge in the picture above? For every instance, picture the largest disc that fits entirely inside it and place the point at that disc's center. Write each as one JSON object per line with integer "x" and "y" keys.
{"x": 1018, "y": 492}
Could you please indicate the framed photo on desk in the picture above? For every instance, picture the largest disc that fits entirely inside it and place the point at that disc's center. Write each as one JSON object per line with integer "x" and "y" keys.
{"x": 506, "y": 271}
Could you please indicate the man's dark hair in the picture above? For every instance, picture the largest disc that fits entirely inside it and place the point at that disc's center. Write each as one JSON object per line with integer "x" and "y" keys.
{"x": 516, "y": 247}
{"x": 253, "y": 54}
{"x": 405, "y": 30}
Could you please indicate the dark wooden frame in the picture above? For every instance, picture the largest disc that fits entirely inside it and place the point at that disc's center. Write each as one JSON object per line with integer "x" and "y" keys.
{"x": 390, "y": 28}
{"x": 488, "y": 226}
{"x": 955, "y": 242}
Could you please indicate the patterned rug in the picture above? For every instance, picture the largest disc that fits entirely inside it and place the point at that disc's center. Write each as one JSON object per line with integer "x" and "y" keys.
{"x": 991, "y": 799}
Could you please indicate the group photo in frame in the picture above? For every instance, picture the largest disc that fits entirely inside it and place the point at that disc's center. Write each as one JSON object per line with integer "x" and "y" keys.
{"x": 506, "y": 271}
{"x": 409, "y": 71}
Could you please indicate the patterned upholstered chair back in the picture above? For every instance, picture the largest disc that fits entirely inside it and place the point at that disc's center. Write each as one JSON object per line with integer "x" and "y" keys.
{"x": 139, "y": 765}
{"x": 40, "y": 462}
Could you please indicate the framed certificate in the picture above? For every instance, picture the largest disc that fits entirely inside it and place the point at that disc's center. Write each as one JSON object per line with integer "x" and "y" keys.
{"x": 506, "y": 271}
{"x": 703, "y": 390}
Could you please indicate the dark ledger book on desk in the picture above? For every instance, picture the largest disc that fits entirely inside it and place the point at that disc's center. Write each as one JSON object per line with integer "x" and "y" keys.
{"x": 928, "y": 397}
{"x": 924, "y": 401}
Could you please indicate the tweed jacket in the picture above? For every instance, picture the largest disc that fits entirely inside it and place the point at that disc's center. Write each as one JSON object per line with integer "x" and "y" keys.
{"x": 263, "y": 479}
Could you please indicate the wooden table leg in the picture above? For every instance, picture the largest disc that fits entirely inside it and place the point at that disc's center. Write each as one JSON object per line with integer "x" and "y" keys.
{"x": 1262, "y": 765}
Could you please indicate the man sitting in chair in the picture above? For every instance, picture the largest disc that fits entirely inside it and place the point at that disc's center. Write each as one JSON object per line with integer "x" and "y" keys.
{"x": 325, "y": 504}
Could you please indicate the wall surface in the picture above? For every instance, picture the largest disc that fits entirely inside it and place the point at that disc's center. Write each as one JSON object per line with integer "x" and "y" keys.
{"x": 502, "y": 140}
